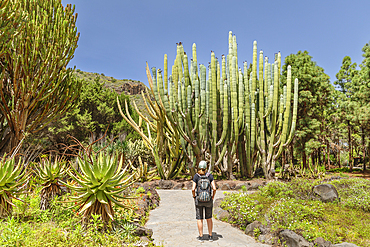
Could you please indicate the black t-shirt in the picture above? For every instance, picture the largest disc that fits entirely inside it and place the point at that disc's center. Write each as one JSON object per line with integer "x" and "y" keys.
{"x": 196, "y": 179}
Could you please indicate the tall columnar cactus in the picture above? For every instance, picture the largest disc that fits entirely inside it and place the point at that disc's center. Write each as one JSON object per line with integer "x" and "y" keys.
{"x": 231, "y": 117}
{"x": 166, "y": 147}
{"x": 274, "y": 120}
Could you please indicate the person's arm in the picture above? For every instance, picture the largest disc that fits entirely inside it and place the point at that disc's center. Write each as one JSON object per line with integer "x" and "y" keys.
{"x": 193, "y": 189}
{"x": 214, "y": 189}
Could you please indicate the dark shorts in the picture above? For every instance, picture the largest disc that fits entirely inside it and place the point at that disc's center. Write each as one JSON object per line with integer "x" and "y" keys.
{"x": 200, "y": 214}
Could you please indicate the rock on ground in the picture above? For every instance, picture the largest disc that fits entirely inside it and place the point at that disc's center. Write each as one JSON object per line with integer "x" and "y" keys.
{"x": 327, "y": 192}
{"x": 292, "y": 239}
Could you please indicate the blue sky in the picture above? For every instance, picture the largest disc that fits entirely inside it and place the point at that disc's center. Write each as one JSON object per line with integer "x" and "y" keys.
{"x": 119, "y": 36}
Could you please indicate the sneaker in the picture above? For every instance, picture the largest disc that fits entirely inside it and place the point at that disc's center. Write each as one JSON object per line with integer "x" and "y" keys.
{"x": 210, "y": 238}
{"x": 200, "y": 239}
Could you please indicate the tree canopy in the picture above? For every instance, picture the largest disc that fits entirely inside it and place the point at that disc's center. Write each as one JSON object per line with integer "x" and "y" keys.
{"x": 36, "y": 86}
{"x": 95, "y": 112}
{"x": 314, "y": 99}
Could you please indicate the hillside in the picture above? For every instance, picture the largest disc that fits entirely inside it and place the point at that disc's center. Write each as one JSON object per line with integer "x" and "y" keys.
{"x": 132, "y": 88}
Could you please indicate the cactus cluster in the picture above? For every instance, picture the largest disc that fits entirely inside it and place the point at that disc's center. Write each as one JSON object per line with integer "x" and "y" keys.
{"x": 233, "y": 116}
{"x": 165, "y": 146}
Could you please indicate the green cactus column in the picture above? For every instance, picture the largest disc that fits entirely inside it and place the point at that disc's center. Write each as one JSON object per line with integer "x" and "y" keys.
{"x": 231, "y": 117}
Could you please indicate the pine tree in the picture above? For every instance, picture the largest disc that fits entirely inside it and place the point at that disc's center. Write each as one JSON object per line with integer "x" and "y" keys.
{"x": 361, "y": 96}
{"x": 345, "y": 78}
{"x": 314, "y": 100}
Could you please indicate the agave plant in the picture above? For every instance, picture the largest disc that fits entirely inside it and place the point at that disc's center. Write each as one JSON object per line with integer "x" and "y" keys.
{"x": 49, "y": 174}
{"x": 100, "y": 185}
{"x": 12, "y": 177}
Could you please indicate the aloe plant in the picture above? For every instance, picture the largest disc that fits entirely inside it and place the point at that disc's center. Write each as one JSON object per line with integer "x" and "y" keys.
{"x": 50, "y": 173}
{"x": 12, "y": 177}
{"x": 101, "y": 181}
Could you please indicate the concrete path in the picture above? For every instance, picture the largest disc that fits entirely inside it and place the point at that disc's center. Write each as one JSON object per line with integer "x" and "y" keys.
{"x": 174, "y": 224}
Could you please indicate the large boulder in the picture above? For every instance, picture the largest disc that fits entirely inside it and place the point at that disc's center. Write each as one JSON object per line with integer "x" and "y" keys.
{"x": 222, "y": 214}
{"x": 178, "y": 186}
{"x": 217, "y": 203}
{"x": 320, "y": 242}
{"x": 216, "y": 206}
{"x": 327, "y": 192}
{"x": 225, "y": 186}
{"x": 249, "y": 230}
{"x": 166, "y": 184}
{"x": 240, "y": 186}
{"x": 189, "y": 185}
{"x": 255, "y": 186}
{"x": 292, "y": 239}
{"x": 142, "y": 231}
{"x": 266, "y": 238}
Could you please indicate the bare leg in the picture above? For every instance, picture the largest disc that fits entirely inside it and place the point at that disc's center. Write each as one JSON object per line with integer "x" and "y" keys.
{"x": 200, "y": 227}
{"x": 210, "y": 226}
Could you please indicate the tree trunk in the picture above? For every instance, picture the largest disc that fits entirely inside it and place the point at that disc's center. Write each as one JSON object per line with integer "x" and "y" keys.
{"x": 350, "y": 148}
{"x": 292, "y": 152}
{"x": 10, "y": 143}
{"x": 230, "y": 165}
{"x": 328, "y": 153}
{"x": 313, "y": 160}
{"x": 363, "y": 149}
{"x": 338, "y": 154}
{"x": 242, "y": 157}
{"x": 304, "y": 158}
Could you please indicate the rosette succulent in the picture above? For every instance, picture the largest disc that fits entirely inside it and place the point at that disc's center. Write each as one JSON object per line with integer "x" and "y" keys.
{"x": 100, "y": 183}
{"x": 49, "y": 174}
{"x": 12, "y": 177}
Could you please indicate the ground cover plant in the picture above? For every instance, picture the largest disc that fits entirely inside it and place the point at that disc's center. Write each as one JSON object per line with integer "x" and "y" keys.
{"x": 293, "y": 206}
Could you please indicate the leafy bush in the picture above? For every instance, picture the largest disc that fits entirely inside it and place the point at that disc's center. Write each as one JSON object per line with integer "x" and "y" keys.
{"x": 245, "y": 208}
{"x": 354, "y": 193}
{"x": 293, "y": 206}
{"x": 295, "y": 214}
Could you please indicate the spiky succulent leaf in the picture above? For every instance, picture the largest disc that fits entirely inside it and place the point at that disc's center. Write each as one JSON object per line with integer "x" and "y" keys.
{"x": 13, "y": 176}
{"x": 49, "y": 171}
{"x": 102, "y": 180}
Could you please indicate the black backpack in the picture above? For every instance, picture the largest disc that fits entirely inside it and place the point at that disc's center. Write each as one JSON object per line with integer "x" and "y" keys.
{"x": 204, "y": 189}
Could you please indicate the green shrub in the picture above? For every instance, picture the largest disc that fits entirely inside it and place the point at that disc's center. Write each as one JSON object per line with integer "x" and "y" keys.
{"x": 354, "y": 193}
{"x": 245, "y": 208}
{"x": 293, "y": 206}
{"x": 296, "y": 214}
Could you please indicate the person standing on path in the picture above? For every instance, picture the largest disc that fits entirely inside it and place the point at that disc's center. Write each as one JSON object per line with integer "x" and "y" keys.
{"x": 203, "y": 193}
